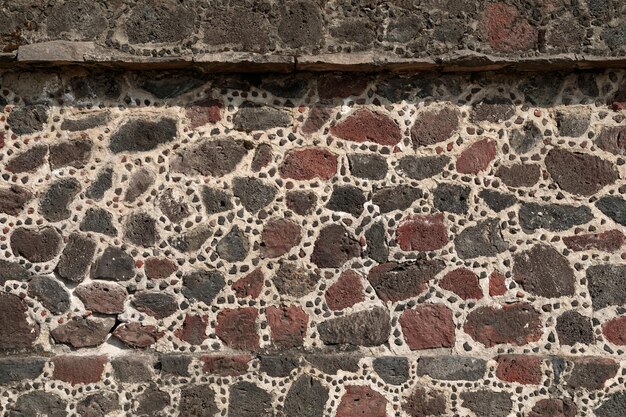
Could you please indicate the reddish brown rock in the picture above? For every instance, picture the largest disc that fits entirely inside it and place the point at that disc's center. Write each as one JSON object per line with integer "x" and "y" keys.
{"x": 102, "y": 297}
{"x": 13, "y": 199}
{"x": 612, "y": 139}
{"x": 278, "y": 237}
{"x": 193, "y": 330}
{"x": 75, "y": 369}
{"x": 497, "y": 284}
{"x": 580, "y": 173}
{"x": 249, "y": 285}
{"x": 463, "y": 283}
{"x": 318, "y": 116}
{"x": 137, "y": 335}
{"x": 287, "y": 326}
{"x": 434, "y": 126}
{"x": 592, "y": 372}
{"x": 15, "y": 332}
{"x": 524, "y": 369}
{"x": 367, "y": 126}
{"x": 519, "y": 175}
{"x": 543, "y": 271}
{"x": 309, "y": 163}
{"x": 516, "y": 324}
{"x": 422, "y": 233}
{"x": 615, "y": 331}
{"x": 608, "y": 241}
{"x": 203, "y": 112}
{"x": 237, "y": 328}
{"x": 506, "y": 30}
{"x": 361, "y": 401}
{"x": 552, "y": 407}
{"x": 476, "y": 157}
{"x": 423, "y": 403}
{"x": 334, "y": 247}
{"x": 428, "y": 326}
{"x": 230, "y": 365}
{"x": 82, "y": 332}
{"x": 159, "y": 268}
{"x": 346, "y": 292}
{"x": 36, "y": 245}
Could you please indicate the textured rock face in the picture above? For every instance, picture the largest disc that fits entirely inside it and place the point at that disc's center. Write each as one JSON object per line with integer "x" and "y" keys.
{"x": 178, "y": 242}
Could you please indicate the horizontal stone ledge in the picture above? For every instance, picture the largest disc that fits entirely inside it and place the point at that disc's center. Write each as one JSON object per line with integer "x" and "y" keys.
{"x": 89, "y": 53}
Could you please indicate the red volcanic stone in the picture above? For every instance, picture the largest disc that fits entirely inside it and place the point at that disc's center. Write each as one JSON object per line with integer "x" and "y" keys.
{"x": 516, "y": 324}
{"x": 278, "y": 237}
{"x": 287, "y": 325}
{"x": 346, "y": 292}
{"x": 525, "y": 369}
{"x": 505, "y": 30}
{"x": 230, "y": 365}
{"x": 309, "y": 163}
{"x": 615, "y": 331}
{"x": 422, "y": 233}
{"x": 249, "y": 285}
{"x": 363, "y": 402}
{"x": 318, "y": 116}
{"x": 207, "y": 111}
{"x": 477, "y": 157}
{"x": 75, "y": 369}
{"x": 608, "y": 241}
{"x": 237, "y": 328}
{"x": 367, "y": 126}
{"x": 463, "y": 283}
{"x": 553, "y": 407}
{"x": 434, "y": 126}
{"x": 137, "y": 335}
{"x": 15, "y": 331}
{"x": 159, "y": 268}
{"x": 592, "y": 372}
{"x": 497, "y": 285}
{"x": 193, "y": 330}
{"x": 428, "y": 326}
{"x": 102, "y": 297}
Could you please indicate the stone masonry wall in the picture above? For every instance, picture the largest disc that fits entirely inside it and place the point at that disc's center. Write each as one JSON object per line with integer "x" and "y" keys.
{"x": 185, "y": 244}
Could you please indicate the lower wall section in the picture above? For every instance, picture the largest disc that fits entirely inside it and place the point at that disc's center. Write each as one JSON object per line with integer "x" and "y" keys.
{"x": 294, "y": 385}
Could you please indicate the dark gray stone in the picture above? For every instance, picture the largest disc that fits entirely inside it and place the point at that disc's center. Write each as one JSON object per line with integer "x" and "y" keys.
{"x": 13, "y": 199}
{"x": 174, "y": 208}
{"x": 486, "y": 403}
{"x": 51, "y": 293}
{"x": 452, "y": 368}
{"x": 75, "y": 153}
{"x": 83, "y": 19}
{"x": 53, "y": 204}
{"x": 307, "y": 397}
{"x": 294, "y": 281}
{"x": 572, "y": 327}
{"x": 216, "y": 201}
{"x": 19, "y": 369}
{"x": 371, "y": 167}
{"x": 347, "y": 199}
{"x": 167, "y": 85}
{"x": 192, "y": 240}
{"x": 572, "y": 124}
{"x": 248, "y": 400}
{"x": 12, "y": 271}
{"x": 142, "y": 135}
{"x": 28, "y": 161}
{"x": 331, "y": 363}
{"x": 334, "y": 247}
{"x": 364, "y": 328}
{"x": 159, "y": 22}
{"x": 377, "y": 248}
{"x": 94, "y": 86}
{"x": 244, "y": 27}
{"x": 262, "y": 157}
{"x": 398, "y": 281}
{"x": 234, "y": 246}
{"x": 131, "y": 369}
{"x": 452, "y": 198}
{"x": 28, "y": 119}
{"x": 139, "y": 183}
{"x": 606, "y": 285}
{"x": 580, "y": 173}
{"x": 85, "y": 123}
{"x": 140, "y": 229}
{"x": 152, "y": 402}
{"x": 543, "y": 271}
{"x": 254, "y": 194}
{"x": 493, "y": 110}
{"x": 198, "y": 401}
{"x": 497, "y": 201}
{"x": 301, "y": 202}
{"x": 542, "y": 89}
{"x": 156, "y": 304}
{"x": 203, "y": 285}
{"x": 98, "y": 220}
{"x": 613, "y": 405}
{"x": 177, "y": 365}
{"x": 251, "y": 117}
{"x": 114, "y": 265}
{"x": 278, "y": 366}
{"x": 36, "y": 245}
{"x": 552, "y": 217}
{"x": 356, "y": 31}
{"x": 484, "y": 239}
{"x": 422, "y": 167}
{"x": 102, "y": 183}
{"x": 614, "y": 207}
{"x": 300, "y": 24}
{"x": 99, "y": 404}
{"x": 525, "y": 139}
{"x": 216, "y": 157}
{"x": 38, "y": 403}
{"x": 76, "y": 258}
{"x": 393, "y": 370}
{"x": 396, "y": 198}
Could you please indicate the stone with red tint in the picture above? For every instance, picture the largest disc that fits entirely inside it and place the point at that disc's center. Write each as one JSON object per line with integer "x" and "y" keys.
{"x": 249, "y": 285}
{"x": 361, "y": 401}
{"x": 580, "y": 173}
{"x": 36, "y": 245}
{"x": 83, "y": 332}
{"x": 15, "y": 332}
{"x": 434, "y": 126}
{"x": 102, "y": 297}
{"x": 592, "y": 372}
{"x": 332, "y": 85}
{"x": 524, "y": 369}
{"x": 237, "y": 328}
{"x": 75, "y": 369}
{"x": 422, "y": 233}
{"x": 287, "y": 325}
{"x": 278, "y": 237}
{"x": 612, "y": 139}
{"x": 399, "y": 281}
{"x": 203, "y": 112}
{"x": 308, "y": 164}
{"x": 608, "y": 241}
{"x": 13, "y": 199}
{"x": 477, "y": 157}
{"x": 159, "y": 268}
{"x": 543, "y": 271}
{"x": 428, "y": 326}
{"x": 346, "y": 292}
{"x": 497, "y": 284}
{"x": 334, "y": 247}
{"x": 318, "y": 116}
{"x": 230, "y": 365}
{"x": 367, "y": 126}
{"x": 137, "y": 335}
{"x": 615, "y": 331}
{"x": 505, "y": 30}
{"x": 423, "y": 403}
{"x": 463, "y": 283}
{"x": 553, "y": 407}
{"x": 193, "y": 330}
{"x": 517, "y": 324}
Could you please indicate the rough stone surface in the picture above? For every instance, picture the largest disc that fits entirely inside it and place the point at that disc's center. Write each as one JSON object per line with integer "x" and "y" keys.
{"x": 486, "y": 403}
{"x": 516, "y": 324}
{"x": 422, "y": 233}
{"x": 17, "y": 333}
{"x": 428, "y": 326}
{"x": 36, "y": 245}
{"x": 543, "y": 271}
{"x": 552, "y": 217}
{"x": 50, "y": 293}
{"x": 364, "y": 328}
{"x": 366, "y": 126}
{"x": 334, "y": 247}
{"x": 142, "y": 135}
{"x": 83, "y": 332}
{"x": 114, "y": 264}
{"x": 398, "y": 281}
{"x": 76, "y": 258}
{"x": 307, "y": 397}
{"x": 434, "y": 126}
{"x": 484, "y": 239}
{"x": 606, "y": 285}
{"x": 102, "y": 297}
{"x": 451, "y": 368}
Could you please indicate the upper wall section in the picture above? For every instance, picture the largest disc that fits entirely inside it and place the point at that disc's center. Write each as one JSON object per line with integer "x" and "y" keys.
{"x": 286, "y": 35}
